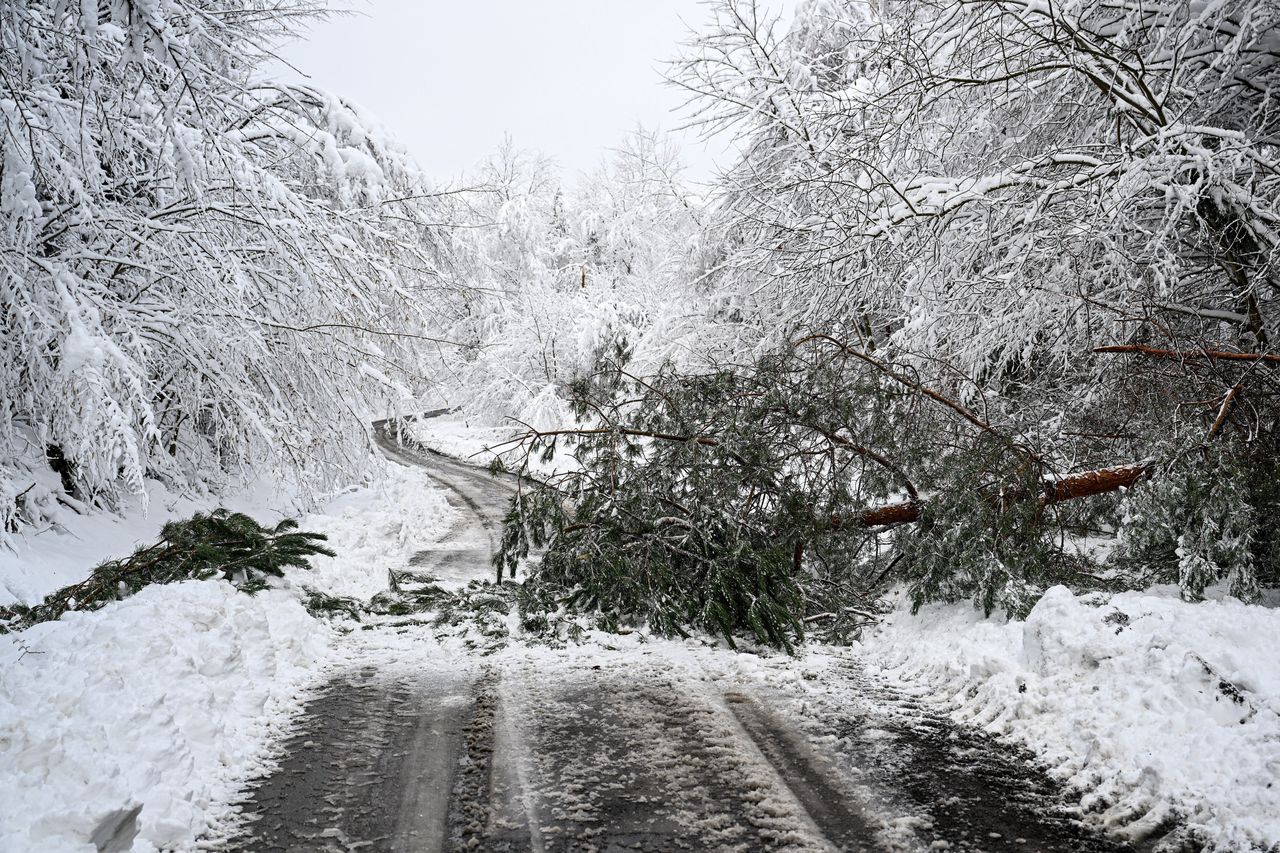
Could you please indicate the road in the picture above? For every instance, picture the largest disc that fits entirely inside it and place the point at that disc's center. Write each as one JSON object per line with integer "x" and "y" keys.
{"x": 606, "y": 750}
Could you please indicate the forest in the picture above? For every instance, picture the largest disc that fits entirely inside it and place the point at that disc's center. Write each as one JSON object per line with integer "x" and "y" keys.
{"x": 908, "y": 481}
{"x": 987, "y": 302}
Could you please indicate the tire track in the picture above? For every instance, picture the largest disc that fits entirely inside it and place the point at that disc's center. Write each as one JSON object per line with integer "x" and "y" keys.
{"x": 978, "y": 794}
{"x": 542, "y": 753}
{"x": 363, "y": 771}
{"x": 620, "y": 761}
{"x": 812, "y": 780}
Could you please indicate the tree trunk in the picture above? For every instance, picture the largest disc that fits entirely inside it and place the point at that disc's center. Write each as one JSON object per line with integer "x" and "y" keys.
{"x": 1070, "y": 487}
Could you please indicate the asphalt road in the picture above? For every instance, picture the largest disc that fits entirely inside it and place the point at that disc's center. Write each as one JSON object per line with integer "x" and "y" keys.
{"x": 605, "y": 754}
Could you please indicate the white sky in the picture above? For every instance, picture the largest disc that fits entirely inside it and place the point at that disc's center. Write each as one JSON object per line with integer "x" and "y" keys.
{"x": 450, "y": 78}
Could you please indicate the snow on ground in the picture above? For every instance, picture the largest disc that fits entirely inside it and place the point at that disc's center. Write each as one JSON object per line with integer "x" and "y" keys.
{"x": 377, "y": 530}
{"x": 454, "y": 435}
{"x": 172, "y": 698}
{"x": 1147, "y": 705}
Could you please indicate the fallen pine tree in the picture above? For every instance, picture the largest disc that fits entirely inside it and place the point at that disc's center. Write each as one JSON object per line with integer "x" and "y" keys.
{"x": 750, "y": 499}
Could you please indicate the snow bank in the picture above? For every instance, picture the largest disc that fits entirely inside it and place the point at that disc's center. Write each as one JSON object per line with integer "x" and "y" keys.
{"x": 456, "y": 436}
{"x": 461, "y": 438}
{"x": 1149, "y": 706}
{"x": 167, "y": 700}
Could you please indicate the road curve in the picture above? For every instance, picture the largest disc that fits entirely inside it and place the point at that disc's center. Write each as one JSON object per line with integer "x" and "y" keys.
{"x": 597, "y": 752}
{"x": 480, "y": 498}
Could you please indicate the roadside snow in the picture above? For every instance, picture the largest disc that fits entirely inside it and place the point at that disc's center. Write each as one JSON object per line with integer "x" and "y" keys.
{"x": 173, "y": 698}
{"x": 166, "y": 700}
{"x": 1150, "y": 706}
{"x": 454, "y": 435}
{"x": 457, "y": 436}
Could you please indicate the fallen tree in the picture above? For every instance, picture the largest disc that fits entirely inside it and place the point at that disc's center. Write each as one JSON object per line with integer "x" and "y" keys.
{"x": 1070, "y": 487}
{"x": 736, "y": 500}
{"x": 748, "y": 498}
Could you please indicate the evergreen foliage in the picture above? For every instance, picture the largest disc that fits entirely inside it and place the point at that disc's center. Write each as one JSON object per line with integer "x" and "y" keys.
{"x": 729, "y": 501}
{"x": 733, "y": 501}
{"x": 482, "y": 613}
{"x": 980, "y": 537}
{"x": 1209, "y": 518}
{"x": 220, "y": 544}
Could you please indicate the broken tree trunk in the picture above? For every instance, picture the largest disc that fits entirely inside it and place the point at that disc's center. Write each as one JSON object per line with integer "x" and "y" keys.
{"x": 1070, "y": 487}
{"x": 1088, "y": 483}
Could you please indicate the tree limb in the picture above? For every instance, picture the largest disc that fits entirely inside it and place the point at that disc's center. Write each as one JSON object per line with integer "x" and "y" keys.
{"x": 1187, "y": 355}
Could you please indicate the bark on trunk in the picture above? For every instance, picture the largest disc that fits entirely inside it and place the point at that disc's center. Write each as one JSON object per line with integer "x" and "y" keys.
{"x": 1072, "y": 486}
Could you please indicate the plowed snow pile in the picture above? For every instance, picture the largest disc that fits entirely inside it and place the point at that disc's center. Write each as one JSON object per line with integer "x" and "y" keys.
{"x": 1156, "y": 708}
{"x": 164, "y": 700}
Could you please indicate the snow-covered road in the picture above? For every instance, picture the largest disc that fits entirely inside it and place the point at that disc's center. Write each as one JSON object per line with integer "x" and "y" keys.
{"x": 632, "y": 746}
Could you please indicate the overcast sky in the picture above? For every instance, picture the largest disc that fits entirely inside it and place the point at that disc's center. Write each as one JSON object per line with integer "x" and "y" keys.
{"x": 450, "y": 78}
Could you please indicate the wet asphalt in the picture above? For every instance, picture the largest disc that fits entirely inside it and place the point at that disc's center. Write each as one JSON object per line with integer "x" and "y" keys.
{"x": 535, "y": 754}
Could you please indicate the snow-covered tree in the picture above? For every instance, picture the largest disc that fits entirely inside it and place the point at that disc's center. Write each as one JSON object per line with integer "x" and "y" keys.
{"x": 966, "y": 174}
{"x": 562, "y": 273}
{"x": 200, "y": 268}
